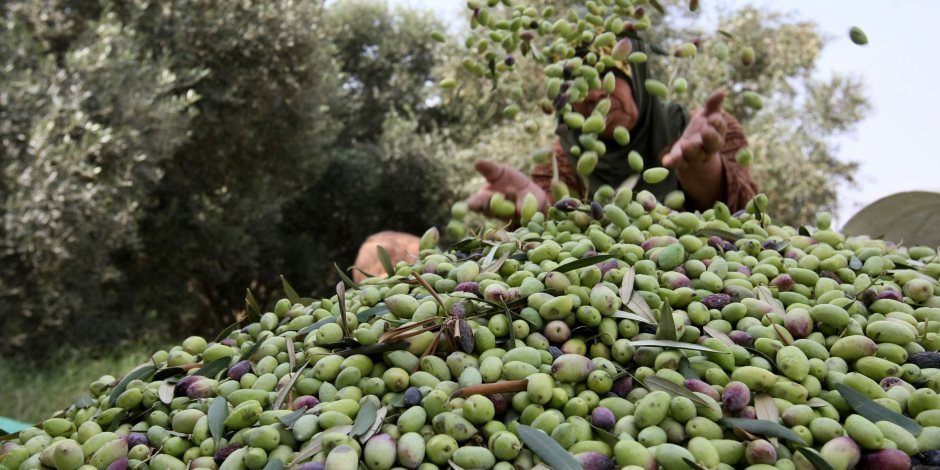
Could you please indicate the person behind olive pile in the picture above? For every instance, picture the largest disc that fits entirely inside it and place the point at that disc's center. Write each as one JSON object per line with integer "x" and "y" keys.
{"x": 698, "y": 149}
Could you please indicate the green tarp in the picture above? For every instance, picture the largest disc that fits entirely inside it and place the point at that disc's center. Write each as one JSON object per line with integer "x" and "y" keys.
{"x": 9, "y": 426}
{"x": 911, "y": 217}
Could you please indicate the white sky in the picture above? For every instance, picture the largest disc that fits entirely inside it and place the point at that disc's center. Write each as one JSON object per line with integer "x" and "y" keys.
{"x": 901, "y": 70}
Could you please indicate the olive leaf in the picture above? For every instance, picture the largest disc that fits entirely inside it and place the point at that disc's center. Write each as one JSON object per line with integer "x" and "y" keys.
{"x": 365, "y": 419}
{"x": 218, "y": 412}
{"x": 214, "y": 368}
{"x": 464, "y": 245}
{"x": 718, "y": 334}
{"x": 165, "y": 392}
{"x": 693, "y": 464}
{"x": 229, "y": 329}
{"x": 605, "y": 436}
{"x": 376, "y": 425}
{"x": 631, "y": 316}
{"x": 141, "y": 372}
{"x": 495, "y": 265}
{"x": 654, "y": 383}
{"x": 247, "y": 354}
{"x": 289, "y": 419}
{"x": 874, "y": 411}
{"x": 251, "y": 306}
{"x": 367, "y": 314}
{"x": 344, "y": 277}
{"x": 168, "y": 372}
{"x": 766, "y": 408}
{"x": 723, "y": 234}
{"x": 289, "y": 291}
{"x": 817, "y": 402}
{"x": 316, "y": 325}
{"x": 385, "y": 260}
{"x": 316, "y": 444}
{"x": 547, "y": 449}
{"x": 686, "y": 369}
{"x": 667, "y": 324}
{"x": 626, "y": 287}
{"x": 763, "y": 427}
{"x": 814, "y": 458}
{"x": 291, "y": 353}
{"x": 658, "y": 6}
{"x": 341, "y": 301}
{"x": 765, "y": 295}
{"x": 282, "y": 395}
{"x": 582, "y": 263}
{"x": 767, "y": 358}
{"x": 85, "y": 401}
{"x": 639, "y": 306}
{"x": 661, "y": 343}
{"x": 785, "y": 337}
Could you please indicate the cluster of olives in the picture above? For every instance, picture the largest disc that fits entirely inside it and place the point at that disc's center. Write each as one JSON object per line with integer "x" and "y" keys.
{"x": 619, "y": 333}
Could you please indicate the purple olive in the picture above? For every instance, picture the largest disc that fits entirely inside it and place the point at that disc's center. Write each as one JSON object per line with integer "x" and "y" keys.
{"x": 622, "y": 386}
{"x": 741, "y": 338}
{"x": 890, "y": 294}
{"x": 204, "y": 388}
{"x": 760, "y": 451}
{"x": 736, "y": 396}
{"x": 886, "y": 459}
{"x": 500, "y": 405}
{"x": 716, "y": 301}
{"x": 310, "y": 466}
{"x": 119, "y": 464}
{"x": 603, "y": 418}
{"x": 136, "y": 439}
{"x": 783, "y": 282}
{"x": 699, "y": 386}
{"x": 180, "y": 389}
{"x": 306, "y": 400}
{"x": 239, "y": 369}
{"x": 412, "y": 396}
{"x": 748, "y": 412}
{"x": 594, "y": 461}
{"x": 607, "y": 266}
{"x": 469, "y": 287}
{"x": 223, "y": 453}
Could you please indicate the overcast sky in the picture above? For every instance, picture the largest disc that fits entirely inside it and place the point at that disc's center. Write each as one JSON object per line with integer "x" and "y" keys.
{"x": 901, "y": 71}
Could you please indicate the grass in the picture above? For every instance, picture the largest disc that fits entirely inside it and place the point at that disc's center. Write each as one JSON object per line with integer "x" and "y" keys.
{"x": 31, "y": 393}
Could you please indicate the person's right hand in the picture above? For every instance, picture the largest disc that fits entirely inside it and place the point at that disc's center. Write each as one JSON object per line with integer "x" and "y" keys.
{"x": 506, "y": 180}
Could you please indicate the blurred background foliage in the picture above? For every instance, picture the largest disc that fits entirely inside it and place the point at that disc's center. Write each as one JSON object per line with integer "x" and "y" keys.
{"x": 158, "y": 158}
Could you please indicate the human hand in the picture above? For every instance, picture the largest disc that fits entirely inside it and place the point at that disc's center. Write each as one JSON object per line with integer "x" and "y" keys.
{"x": 702, "y": 139}
{"x": 506, "y": 180}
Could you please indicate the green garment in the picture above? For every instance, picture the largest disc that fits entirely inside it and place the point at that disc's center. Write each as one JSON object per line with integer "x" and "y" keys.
{"x": 658, "y": 126}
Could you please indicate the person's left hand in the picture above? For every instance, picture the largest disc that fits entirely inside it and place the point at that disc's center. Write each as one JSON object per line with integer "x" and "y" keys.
{"x": 702, "y": 139}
